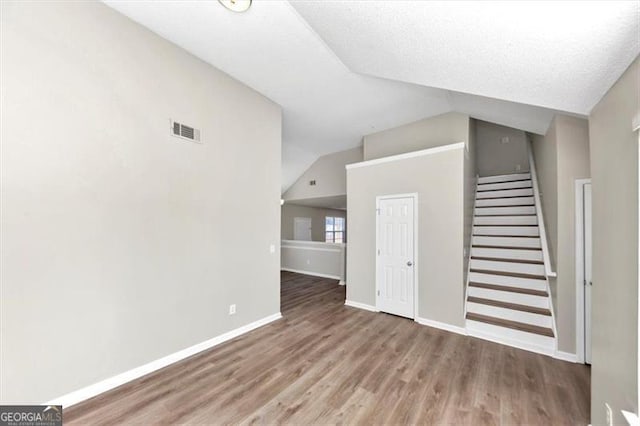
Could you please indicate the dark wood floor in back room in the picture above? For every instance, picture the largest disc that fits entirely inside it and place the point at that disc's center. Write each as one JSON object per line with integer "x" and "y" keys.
{"x": 325, "y": 363}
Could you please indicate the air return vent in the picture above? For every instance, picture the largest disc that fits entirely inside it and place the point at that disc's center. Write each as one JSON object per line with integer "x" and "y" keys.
{"x": 186, "y": 132}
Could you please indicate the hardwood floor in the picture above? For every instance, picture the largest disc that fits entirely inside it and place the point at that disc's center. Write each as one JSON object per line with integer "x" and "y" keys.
{"x": 325, "y": 363}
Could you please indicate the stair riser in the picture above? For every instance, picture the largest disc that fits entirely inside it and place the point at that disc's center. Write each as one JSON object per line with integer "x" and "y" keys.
{"x": 505, "y": 220}
{"x": 502, "y": 178}
{"x": 509, "y": 297}
{"x": 507, "y": 242}
{"x": 505, "y": 193}
{"x": 520, "y": 201}
{"x": 526, "y": 283}
{"x": 522, "y": 339}
{"x": 510, "y": 314}
{"x": 519, "y": 268}
{"x": 505, "y": 210}
{"x": 506, "y": 230}
{"x": 505, "y": 185}
{"x": 507, "y": 254}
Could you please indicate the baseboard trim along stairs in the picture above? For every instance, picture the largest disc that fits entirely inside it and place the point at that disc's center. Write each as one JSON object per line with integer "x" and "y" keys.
{"x": 507, "y": 298}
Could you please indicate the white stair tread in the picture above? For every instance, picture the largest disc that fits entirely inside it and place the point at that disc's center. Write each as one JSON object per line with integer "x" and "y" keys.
{"x": 505, "y": 220}
{"x": 504, "y": 178}
{"x": 519, "y": 268}
{"x": 506, "y": 230}
{"x": 505, "y": 193}
{"x": 505, "y": 185}
{"x": 509, "y": 297}
{"x": 510, "y": 314}
{"x": 507, "y": 242}
{"x": 505, "y": 210}
{"x": 495, "y": 202}
{"x": 507, "y": 336}
{"x": 506, "y": 281}
{"x": 507, "y": 253}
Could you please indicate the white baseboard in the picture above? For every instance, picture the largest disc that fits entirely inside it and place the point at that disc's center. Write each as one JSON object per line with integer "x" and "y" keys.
{"x": 120, "y": 379}
{"x": 360, "y": 306}
{"x": 566, "y": 356}
{"x": 342, "y": 282}
{"x": 314, "y": 274}
{"x": 441, "y": 326}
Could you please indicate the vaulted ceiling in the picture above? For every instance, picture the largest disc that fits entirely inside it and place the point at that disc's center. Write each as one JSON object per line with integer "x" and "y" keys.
{"x": 343, "y": 69}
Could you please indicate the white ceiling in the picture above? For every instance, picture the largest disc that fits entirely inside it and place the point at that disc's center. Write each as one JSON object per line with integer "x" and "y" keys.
{"x": 555, "y": 54}
{"x": 328, "y": 106}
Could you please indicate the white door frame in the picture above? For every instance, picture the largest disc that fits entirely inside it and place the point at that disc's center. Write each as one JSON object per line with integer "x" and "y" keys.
{"x": 579, "y": 207}
{"x": 413, "y": 195}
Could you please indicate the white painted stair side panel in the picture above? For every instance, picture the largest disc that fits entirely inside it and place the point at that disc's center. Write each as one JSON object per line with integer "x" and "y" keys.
{"x": 509, "y": 297}
{"x": 505, "y": 220}
{"x": 517, "y": 282}
{"x": 519, "y": 268}
{"x": 507, "y": 253}
{"x": 510, "y": 314}
{"x": 506, "y": 193}
{"x": 505, "y": 185}
{"x": 503, "y": 178}
{"x": 507, "y": 242}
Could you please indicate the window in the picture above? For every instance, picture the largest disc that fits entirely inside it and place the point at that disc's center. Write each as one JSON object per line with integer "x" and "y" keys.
{"x": 334, "y": 229}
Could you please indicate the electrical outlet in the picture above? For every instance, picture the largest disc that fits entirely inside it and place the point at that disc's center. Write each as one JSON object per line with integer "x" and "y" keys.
{"x": 232, "y": 309}
{"x": 272, "y": 248}
{"x": 308, "y": 262}
{"x": 609, "y": 415}
{"x": 518, "y": 167}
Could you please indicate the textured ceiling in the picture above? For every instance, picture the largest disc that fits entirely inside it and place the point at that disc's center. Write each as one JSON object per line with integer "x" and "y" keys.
{"x": 555, "y": 54}
{"x": 325, "y": 69}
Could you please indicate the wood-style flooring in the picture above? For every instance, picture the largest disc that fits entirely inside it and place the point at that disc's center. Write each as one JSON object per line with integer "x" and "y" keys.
{"x": 325, "y": 363}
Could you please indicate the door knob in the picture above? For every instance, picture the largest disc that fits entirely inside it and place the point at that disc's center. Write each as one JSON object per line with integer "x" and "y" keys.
{"x": 409, "y": 263}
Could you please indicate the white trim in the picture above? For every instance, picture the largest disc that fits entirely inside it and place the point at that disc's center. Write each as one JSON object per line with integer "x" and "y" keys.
{"x": 631, "y": 418}
{"x": 122, "y": 378}
{"x": 468, "y": 259}
{"x": 360, "y": 306}
{"x": 579, "y": 255}
{"x": 313, "y": 274}
{"x": 311, "y": 248}
{"x": 441, "y": 326}
{"x": 542, "y": 230}
{"x": 342, "y": 282}
{"x": 544, "y": 350}
{"x": 565, "y": 356}
{"x": 413, "y": 195}
{"x": 312, "y": 243}
{"x": 413, "y": 154}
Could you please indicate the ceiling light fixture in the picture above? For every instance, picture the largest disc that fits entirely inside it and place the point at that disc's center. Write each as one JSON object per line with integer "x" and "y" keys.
{"x": 236, "y": 5}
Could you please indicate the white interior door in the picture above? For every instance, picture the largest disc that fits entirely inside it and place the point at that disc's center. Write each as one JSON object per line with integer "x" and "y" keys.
{"x": 302, "y": 228}
{"x": 587, "y": 273}
{"x": 395, "y": 254}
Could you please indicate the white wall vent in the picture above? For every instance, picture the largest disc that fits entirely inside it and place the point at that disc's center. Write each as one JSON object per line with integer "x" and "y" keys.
{"x": 186, "y": 132}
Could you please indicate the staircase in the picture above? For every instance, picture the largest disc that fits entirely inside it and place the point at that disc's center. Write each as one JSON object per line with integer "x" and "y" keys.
{"x": 507, "y": 291}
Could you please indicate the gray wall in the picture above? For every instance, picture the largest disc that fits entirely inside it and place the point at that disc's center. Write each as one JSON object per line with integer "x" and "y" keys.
{"x": 329, "y": 173}
{"x": 435, "y": 131}
{"x": 497, "y": 158}
{"x": 561, "y": 157}
{"x": 438, "y": 180}
{"x": 614, "y": 170}
{"x": 120, "y": 243}
{"x": 325, "y": 259}
{"x": 317, "y": 215}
